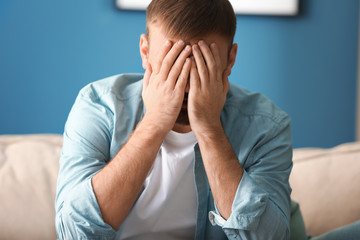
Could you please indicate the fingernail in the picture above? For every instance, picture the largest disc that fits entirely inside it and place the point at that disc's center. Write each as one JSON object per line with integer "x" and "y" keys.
{"x": 201, "y": 42}
{"x": 187, "y": 48}
{"x": 180, "y": 42}
{"x": 167, "y": 43}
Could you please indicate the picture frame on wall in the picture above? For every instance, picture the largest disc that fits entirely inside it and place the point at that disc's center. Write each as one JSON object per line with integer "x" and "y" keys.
{"x": 258, "y": 7}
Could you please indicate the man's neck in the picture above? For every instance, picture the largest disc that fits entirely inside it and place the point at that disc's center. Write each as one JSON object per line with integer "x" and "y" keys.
{"x": 181, "y": 128}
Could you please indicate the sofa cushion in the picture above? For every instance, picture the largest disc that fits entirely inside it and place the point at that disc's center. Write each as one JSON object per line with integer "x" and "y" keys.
{"x": 326, "y": 184}
{"x": 28, "y": 173}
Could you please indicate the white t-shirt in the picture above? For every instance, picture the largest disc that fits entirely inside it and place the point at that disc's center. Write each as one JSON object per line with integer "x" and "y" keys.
{"x": 166, "y": 208}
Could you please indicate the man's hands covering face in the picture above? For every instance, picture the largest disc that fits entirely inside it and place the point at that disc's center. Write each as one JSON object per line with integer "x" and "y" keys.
{"x": 208, "y": 88}
{"x": 165, "y": 83}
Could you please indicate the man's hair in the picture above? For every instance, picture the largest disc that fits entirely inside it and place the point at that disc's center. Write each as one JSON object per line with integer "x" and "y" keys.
{"x": 193, "y": 18}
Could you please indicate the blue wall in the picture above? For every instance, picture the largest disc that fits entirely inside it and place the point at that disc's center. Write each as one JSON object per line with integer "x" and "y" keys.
{"x": 50, "y": 49}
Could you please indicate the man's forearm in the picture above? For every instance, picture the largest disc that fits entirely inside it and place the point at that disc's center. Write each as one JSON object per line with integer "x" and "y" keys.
{"x": 117, "y": 186}
{"x": 222, "y": 168}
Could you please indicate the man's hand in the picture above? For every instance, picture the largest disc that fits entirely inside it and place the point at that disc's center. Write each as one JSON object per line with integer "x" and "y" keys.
{"x": 208, "y": 88}
{"x": 164, "y": 85}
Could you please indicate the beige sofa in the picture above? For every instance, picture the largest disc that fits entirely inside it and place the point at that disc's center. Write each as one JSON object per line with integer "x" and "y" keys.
{"x": 326, "y": 183}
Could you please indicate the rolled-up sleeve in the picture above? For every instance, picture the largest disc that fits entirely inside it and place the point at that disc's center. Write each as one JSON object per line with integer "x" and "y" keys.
{"x": 79, "y": 216}
{"x": 85, "y": 152}
{"x": 261, "y": 207}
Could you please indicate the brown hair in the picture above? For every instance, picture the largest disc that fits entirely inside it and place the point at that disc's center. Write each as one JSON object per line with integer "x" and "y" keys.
{"x": 193, "y": 18}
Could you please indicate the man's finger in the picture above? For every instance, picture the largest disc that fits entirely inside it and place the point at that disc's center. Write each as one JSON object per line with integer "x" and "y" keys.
{"x": 184, "y": 75}
{"x": 200, "y": 63}
{"x": 194, "y": 76}
{"x": 208, "y": 56}
{"x": 162, "y": 54}
{"x": 170, "y": 58}
{"x": 216, "y": 54}
{"x": 178, "y": 66}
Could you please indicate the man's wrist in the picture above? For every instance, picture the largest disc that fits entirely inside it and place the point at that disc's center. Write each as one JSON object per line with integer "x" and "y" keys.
{"x": 152, "y": 125}
{"x": 208, "y": 131}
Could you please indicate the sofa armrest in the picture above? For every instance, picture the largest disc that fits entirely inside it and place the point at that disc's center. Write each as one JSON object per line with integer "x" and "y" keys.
{"x": 326, "y": 184}
{"x": 28, "y": 174}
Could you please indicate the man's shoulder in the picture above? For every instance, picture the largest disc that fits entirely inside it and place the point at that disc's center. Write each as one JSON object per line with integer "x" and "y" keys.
{"x": 121, "y": 86}
{"x": 251, "y": 103}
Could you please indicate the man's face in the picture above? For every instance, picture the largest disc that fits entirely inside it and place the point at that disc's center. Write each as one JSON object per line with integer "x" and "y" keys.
{"x": 150, "y": 47}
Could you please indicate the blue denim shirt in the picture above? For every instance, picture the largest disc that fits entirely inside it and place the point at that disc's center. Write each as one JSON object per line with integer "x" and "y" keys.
{"x": 107, "y": 111}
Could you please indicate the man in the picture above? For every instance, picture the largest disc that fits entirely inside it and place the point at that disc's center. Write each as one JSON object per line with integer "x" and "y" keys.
{"x": 178, "y": 153}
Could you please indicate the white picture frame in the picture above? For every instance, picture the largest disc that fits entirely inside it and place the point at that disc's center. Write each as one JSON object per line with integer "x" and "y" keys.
{"x": 258, "y": 7}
